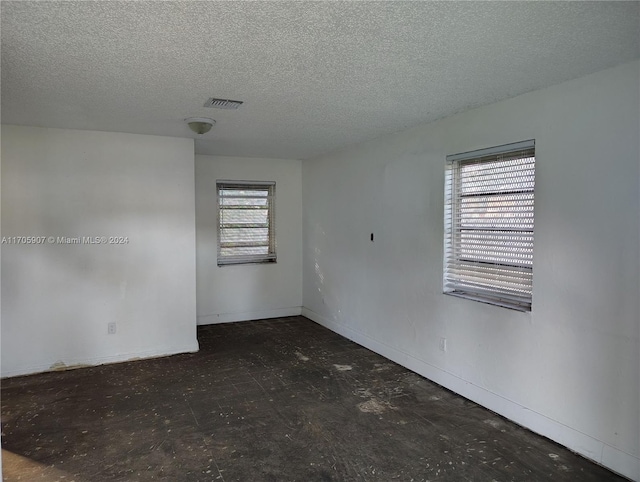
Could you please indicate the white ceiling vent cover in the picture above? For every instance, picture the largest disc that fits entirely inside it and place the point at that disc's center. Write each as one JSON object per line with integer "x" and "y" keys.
{"x": 222, "y": 103}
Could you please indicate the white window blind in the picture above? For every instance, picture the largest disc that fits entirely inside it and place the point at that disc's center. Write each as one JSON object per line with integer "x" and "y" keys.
{"x": 489, "y": 198}
{"x": 246, "y": 222}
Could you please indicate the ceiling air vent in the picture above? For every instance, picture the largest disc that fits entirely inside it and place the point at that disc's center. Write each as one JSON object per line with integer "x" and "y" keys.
{"x": 223, "y": 103}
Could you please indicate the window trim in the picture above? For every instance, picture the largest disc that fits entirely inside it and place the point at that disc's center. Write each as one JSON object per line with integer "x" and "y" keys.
{"x": 452, "y": 284}
{"x": 271, "y": 256}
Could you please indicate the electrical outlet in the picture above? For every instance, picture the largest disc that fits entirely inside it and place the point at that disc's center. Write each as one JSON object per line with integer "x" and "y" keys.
{"x": 443, "y": 344}
{"x": 111, "y": 328}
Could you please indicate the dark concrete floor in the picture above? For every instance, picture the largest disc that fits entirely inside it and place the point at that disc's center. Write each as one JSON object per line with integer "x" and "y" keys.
{"x": 272, "y": 400}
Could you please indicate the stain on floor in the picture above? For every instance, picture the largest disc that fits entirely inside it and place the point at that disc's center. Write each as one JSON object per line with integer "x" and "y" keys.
{"x": 269, "y": 400}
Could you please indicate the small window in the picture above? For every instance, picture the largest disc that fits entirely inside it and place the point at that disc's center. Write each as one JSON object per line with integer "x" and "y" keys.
{"x": 246, "y": 222}
{"x": 488, "y": 253}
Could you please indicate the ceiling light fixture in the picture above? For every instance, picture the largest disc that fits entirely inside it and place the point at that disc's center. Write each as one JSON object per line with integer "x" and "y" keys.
{"x": 200, "y": 125}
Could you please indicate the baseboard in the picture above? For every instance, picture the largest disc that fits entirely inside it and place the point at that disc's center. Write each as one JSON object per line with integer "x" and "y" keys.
{"x": 248, "y": 315}
{"x": 614, "y": 459}
{"x": 70, "y": 363}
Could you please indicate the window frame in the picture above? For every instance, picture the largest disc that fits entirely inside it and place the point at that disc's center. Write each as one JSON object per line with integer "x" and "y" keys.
{"x": 471, "y": 276}
{"x": 270, "y": 256}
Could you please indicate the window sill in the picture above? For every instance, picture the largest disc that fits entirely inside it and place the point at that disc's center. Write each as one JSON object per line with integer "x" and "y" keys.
{"x": 239, "y": 263}
{"x": 489, "y": 301}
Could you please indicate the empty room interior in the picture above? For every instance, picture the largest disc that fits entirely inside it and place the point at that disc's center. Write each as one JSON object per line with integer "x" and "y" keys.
{"x": 320, "y": 241}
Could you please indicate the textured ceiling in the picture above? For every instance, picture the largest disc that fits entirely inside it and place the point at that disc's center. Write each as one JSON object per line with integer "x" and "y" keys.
{"x": 314, "y": 76}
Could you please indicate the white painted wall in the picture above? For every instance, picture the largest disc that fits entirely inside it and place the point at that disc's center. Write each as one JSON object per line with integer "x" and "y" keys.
{"x": 0, "y": 291}
{"x": 57, "y": 299}
{"x": 250, "y": 291}
{"x": 568, "y": 369}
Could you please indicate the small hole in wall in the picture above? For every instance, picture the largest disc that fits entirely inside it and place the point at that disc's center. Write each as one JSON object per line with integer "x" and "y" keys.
{"x": 371, "y": 236}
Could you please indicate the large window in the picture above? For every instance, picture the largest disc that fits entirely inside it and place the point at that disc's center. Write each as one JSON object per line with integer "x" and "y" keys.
{"x": 489, "y": 225}
{"x": 246, "y": 222}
